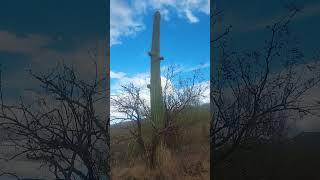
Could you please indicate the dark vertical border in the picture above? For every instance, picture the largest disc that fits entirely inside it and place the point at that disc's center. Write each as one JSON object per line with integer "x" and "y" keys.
{"x": 211, "y": 89}
{"x": 108, "y": 86}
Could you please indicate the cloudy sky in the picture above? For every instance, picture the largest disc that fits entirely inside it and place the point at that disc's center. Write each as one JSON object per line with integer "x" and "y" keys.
{"x": 37, "y": 34}
{"x": 249, "y": 20}
{"x": 184, "y": 38}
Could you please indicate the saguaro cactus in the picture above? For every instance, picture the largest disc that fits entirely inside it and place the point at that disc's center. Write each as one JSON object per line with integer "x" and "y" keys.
{"x": 155, "y": 80}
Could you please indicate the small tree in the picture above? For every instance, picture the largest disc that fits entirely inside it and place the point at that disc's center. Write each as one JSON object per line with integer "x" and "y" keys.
{"x": 61, "y": 127}
{"x": 255, "y": 93}
{"x": 179, "y": 93}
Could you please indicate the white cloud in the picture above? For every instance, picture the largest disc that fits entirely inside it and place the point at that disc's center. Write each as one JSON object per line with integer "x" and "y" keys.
{"x": 123, "y": 21}
{"x": 141, "y": 80}
{"x": 117, "y": 75}
{"x": 126, "y": 17}
{"x": 206, "y": 94}
{"x": 191, "y": 17}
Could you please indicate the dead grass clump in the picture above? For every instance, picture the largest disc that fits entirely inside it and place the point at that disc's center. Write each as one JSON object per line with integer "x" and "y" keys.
{"x": 167, "y": 162}
{"x": 171, "y": 166}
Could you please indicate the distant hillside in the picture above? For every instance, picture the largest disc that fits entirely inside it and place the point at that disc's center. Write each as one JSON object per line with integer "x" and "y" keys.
{"x": 203, "y": 107}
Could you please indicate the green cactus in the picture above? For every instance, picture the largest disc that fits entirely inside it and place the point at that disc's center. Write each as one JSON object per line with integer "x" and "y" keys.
{"x": 157, "y": 110}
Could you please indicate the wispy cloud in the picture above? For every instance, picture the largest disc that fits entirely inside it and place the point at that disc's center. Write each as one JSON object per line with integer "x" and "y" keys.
{"x": 39, "y": 57}
{"x": 186, "y": 69}
{"x": 29, "y": 43}
{"x": 126, "y": 18}
{"x": 197, "y": 67}
{"x": 117, "y": 75}
{"x": 123, "y": 21}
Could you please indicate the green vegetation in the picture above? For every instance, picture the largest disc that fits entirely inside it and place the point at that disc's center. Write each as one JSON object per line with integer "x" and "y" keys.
{"x": 185, "y": 156}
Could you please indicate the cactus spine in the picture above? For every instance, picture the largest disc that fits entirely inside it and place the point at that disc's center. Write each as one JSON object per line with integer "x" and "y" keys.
{"x": 155, "y": 80}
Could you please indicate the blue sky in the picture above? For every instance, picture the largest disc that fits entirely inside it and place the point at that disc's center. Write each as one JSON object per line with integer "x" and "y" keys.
{"x": 181, "y": 42}
{"x": 185, "y": 28}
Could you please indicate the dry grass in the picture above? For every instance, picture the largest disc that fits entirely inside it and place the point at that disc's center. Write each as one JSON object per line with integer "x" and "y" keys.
{"x": 189, "y": 165}
{"x": 187, "y": 158}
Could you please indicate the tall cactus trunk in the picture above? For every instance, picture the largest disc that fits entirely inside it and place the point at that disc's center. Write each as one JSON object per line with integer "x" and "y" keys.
{"x": 155, "y": 80}
{"x": 157, "y": 109}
